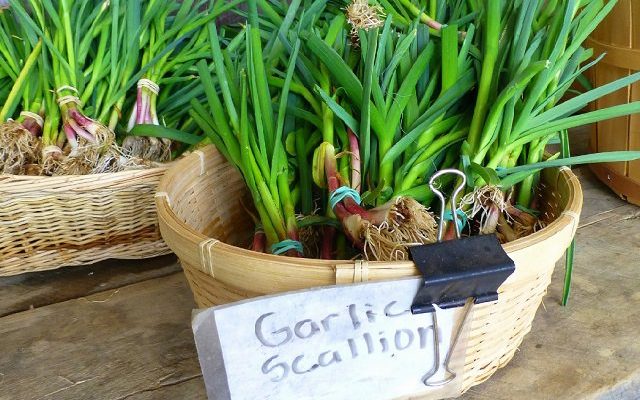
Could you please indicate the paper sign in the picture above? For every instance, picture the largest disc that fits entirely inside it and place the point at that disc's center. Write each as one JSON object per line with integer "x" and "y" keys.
{"x": 340, "y": 342}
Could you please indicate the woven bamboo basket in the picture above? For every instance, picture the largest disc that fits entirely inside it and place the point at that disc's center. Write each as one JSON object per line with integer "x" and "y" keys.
{"x": 50, "y": 222}
{"x": 201, "y": 218}
{"x": 618, "y": 36}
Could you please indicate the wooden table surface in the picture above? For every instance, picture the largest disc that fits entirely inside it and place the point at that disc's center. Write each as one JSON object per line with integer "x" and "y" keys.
{"x": 121, "y": 329}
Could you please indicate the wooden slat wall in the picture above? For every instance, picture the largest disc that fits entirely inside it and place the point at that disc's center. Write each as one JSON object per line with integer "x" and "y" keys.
{"x": 634, "y": 126}
{"x": 621, "y": 29}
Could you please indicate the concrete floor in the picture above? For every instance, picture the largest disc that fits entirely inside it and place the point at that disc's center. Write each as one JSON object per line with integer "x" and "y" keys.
{"x": 121, "y": 330}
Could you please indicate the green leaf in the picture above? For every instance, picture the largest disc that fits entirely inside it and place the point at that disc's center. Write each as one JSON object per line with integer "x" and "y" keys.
{"x": 574, "y": 121}
{"x": 488, "y": 175}
{"x": 260, "y": 87}
{"x": 14, "y": 95}
{"x": 578, "y": 102}
{"x": 513, "y": 179}
{"x": 400, "y": 53}
{"x": 219, "y": 115}
{"x": 365, "y": 117}
{"x": 438, "y": 108}
{"x": 311, "y": 220}
{"x": 216, "y": 52}
{"x": 449, "y": 56}
{"x": 384, "y": 37}
{"x": 568, "y": 272}
{"x": 408, "y": 87}
{"x": 611, "y": 156}
{"x": 336, "y": 65}
{"x": 339, "y": 111}
{"x": 279, "y": 159}
{"x": 160, "y": 131}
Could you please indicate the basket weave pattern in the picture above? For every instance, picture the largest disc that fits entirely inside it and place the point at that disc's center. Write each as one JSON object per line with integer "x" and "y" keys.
{"x": 50, "y": 222}
{"x": 201, "y": 216}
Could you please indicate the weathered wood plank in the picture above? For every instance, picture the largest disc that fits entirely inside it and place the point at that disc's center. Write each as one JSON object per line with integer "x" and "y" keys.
{"x": 106, "y": 346}
{"x": 189, "y": 388}
{"x": 589, "y": 349}
{"x": 598, "y": 198}
{"x": 33, "y": 290}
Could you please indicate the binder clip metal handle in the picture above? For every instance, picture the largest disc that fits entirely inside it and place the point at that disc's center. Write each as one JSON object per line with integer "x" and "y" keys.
{"x": 443, "y": 201}
{"x": 456, "y": 273}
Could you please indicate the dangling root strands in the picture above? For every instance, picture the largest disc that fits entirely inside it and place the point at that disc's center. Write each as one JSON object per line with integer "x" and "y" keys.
{"x": 19, "y": 147}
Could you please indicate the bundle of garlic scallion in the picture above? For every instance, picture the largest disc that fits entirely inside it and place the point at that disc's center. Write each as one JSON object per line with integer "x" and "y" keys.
{"x": 338, "y": 113}
{"x": 82, "y": 77}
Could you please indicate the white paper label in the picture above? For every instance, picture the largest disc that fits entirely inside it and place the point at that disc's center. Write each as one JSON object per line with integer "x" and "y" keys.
{"x": 340, "y": 342}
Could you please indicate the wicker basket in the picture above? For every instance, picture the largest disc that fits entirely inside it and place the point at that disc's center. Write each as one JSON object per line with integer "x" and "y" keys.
{"x": 619, "y": 36}
{"x": 51, "y": 222}
{"x": 199, "y": 199}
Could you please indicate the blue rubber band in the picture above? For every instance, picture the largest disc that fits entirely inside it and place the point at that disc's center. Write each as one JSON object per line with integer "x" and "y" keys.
{"x": 286, "y": 245}
{"x": 462, "y": 218}
{"x": 341, "y": 193}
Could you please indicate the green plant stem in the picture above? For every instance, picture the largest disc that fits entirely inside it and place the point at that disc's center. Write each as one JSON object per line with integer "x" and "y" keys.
{"x": 434, "y": 25}
{"x": 566, "y": 290}
{"x": 492, "y": 36}
{"x": 14, "y": 95}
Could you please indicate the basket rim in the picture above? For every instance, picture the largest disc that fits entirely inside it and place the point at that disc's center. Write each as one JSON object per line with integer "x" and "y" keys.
{"x": 4, "y": 177}
{"x": 569, "y": 215}
{"x": 29, "y": 184}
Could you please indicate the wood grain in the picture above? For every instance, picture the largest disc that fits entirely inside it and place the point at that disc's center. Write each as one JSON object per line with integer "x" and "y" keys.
{"x": 111, "y": 345}
{"x": 598, "y": 198}
{"x": 191, "y": 389}
{"x": 38, "y": 289}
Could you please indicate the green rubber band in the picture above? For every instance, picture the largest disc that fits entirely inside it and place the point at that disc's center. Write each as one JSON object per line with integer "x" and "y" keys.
{"x": 462, "y": 218}
{"x": 286, "y": 245}
{"x": 341, "y": 193}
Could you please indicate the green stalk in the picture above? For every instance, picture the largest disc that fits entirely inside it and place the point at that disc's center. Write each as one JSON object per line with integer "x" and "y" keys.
{"x": 566, "y": 290}
{"x": 279, "y": 162}
{"x": 434, "y": 25}
{"x": 304, "y": 174}
{"x": 491, "y": 127}
{"x": 216, "y": 52}
{"x": 261, "y": 194}
{"x": 449, "y": 56}
{"x": 491, "y": 42}
{"x": 97, "y": 66}
{"x": 246, "y": 165}
{"x": 326, "y": 113}
{"x": 14, "y": 95}
{"x": 420, "y": 168}
{"x": 365, "y": 110}
{"x": 398, "y": 109}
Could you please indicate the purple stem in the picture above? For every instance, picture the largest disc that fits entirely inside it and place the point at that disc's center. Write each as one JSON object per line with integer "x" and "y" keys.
{"x": 79, "y": 117}
{"x": 139, "y": 107}
{"x": 147, "y": 109}
{"x": 71, "y": 135}
{"x": 81, "y": 132}
{"x": 354, "y": 147}
{"x": 329, "y": 232}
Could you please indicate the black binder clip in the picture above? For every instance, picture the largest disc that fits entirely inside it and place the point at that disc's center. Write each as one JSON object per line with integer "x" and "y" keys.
{"x": 456, "y": 273}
